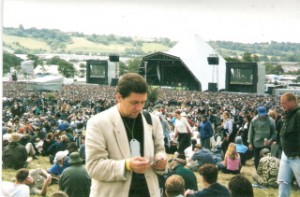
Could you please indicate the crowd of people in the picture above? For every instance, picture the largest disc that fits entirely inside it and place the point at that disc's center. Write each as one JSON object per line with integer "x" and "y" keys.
{"x": 204, "y": 132}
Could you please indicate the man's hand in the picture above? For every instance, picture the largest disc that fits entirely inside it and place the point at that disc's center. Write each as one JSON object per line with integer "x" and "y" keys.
{"x": 187, "y": 192}
{"x": 159, "y": 164}
{"x": 139, "y": 164}
{"x": 48, "y": 180}
{"x": 250, "y": 147}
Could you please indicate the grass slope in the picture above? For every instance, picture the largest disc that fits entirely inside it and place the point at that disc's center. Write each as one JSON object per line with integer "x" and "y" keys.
{"x": 29, "y": 43}
{"x": 79, "y": 44}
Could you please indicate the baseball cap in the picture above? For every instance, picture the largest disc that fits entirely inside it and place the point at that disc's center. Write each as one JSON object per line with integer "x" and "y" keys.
{"x": 262, "y": 111}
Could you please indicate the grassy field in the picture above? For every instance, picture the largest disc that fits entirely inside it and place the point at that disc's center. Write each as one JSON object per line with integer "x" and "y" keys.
{"x": 79, "y": 44}
{"x": 154, "y": 47}
{"x": 29, "y": 43}
{"x": 84, "y": 45}
{"x": 248, "y": 171}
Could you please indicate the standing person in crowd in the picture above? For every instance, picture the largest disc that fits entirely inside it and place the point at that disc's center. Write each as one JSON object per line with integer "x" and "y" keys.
{"x": 121, "y": 140}
{"x": 227, "y": 127}
{"x": 267, "y": 170}
{"x": 262, "y": 133}
{"x": 166, "y": 130}
{"x": 276, "y": 146}
{"x": 290, "y": 141}
{"x": 174, "y": 186}
{"x": 183, "y": 131}
{"x": 240, "y": 186}
{"x": 209, "y": 174}
{"x": 244, "y": 129}
{"x": 19, "y": 188}
{"x": 206, "y": 132}
{"x": 74, "y": 180}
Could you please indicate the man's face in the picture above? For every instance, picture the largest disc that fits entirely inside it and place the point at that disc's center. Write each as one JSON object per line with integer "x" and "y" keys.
{"x": 29, "y": 180}
{"x": 285, "y": 104}
{"x": 132, "y": 105}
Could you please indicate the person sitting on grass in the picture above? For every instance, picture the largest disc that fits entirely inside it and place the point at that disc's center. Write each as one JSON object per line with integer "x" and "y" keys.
{"x": 40, "y": 182}
{"x": 267, "y": 170}
{"x": 232, "y": 161}
{"x": 19, "y": 188}
{"x": 61, "y": 162}
{"x": 209, "y": 175}
{"x": 240, "y": 186}
{"x": 176, "y": 166}
{"x": 15, "y": 155}
{"x": 174, "y": 186}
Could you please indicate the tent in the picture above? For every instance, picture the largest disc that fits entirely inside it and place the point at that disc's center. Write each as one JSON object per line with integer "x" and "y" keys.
{"x": 186, "y": 64}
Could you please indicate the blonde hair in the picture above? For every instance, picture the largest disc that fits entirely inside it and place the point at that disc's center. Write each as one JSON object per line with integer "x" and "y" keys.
{"x": 231, "y": 151}
{"x": 227, "y": 114}
{"x": 273, "y": 114}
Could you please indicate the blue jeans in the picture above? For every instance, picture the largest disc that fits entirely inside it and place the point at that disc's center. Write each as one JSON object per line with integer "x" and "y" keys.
{"x": 288, "y": 167}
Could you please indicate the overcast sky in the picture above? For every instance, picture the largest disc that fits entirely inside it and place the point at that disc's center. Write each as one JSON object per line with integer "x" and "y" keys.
{"x": 231, "y": 20}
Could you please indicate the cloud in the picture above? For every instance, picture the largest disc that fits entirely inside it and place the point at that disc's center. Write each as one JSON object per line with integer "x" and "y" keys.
{"x": 235, "y": 20}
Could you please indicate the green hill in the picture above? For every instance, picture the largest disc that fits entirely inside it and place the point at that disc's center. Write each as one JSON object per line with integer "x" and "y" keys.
{"x": 33, "y": 40}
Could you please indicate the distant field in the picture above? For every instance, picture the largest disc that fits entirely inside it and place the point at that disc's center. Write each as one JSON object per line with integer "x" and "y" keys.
{"x": 154, "y": 47}
{"x": 84, "y": 45}
{"x": 29, "y": 43}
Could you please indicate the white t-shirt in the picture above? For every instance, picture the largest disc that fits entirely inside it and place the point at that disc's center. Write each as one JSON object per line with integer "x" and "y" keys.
{"x": 9, "y": 189}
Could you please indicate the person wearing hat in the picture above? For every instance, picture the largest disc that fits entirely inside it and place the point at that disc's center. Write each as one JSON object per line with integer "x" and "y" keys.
{"x": 75, "y": 180}
{"x": 262, "y": 133}
{"x": 176, "y": 166}
{"x": 267, "y": 170}
{"x": 61, "y": 162}
{"x": 14, "y": 154}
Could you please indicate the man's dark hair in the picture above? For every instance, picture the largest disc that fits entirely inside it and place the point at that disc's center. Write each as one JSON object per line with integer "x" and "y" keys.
{"x": 240, "y": 186}
{"x": 209, "y": 173}
{"x": 131, "y": 82}
{"x": 22, "y": 175}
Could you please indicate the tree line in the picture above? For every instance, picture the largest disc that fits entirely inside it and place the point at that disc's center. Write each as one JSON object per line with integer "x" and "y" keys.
{"x": 57, "y": 40}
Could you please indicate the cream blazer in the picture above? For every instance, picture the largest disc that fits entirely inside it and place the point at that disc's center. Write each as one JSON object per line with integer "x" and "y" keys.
{"x": 107, "y": 148}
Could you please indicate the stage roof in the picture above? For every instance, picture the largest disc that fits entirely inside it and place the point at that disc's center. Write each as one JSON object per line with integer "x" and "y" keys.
{"x": 193, "y": 52}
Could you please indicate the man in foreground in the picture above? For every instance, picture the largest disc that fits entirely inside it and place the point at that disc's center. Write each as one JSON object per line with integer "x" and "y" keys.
{"x": 124, "y": 152}
{"x": 290, "y": 142}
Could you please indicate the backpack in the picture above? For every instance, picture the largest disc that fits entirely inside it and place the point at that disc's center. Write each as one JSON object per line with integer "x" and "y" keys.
{"x": 161, "y": 178}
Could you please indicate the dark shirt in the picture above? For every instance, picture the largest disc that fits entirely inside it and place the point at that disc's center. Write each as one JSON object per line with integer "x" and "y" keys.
{"x": 134, "y": 129}
{"x": 214, "y": 190}
{"x": 188, "y": 177}
{"x": 290, "y": 133}
{"x": 75, "y": 181}
{"x": 14, "y": 156}
{"x": 57, "y": 146}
